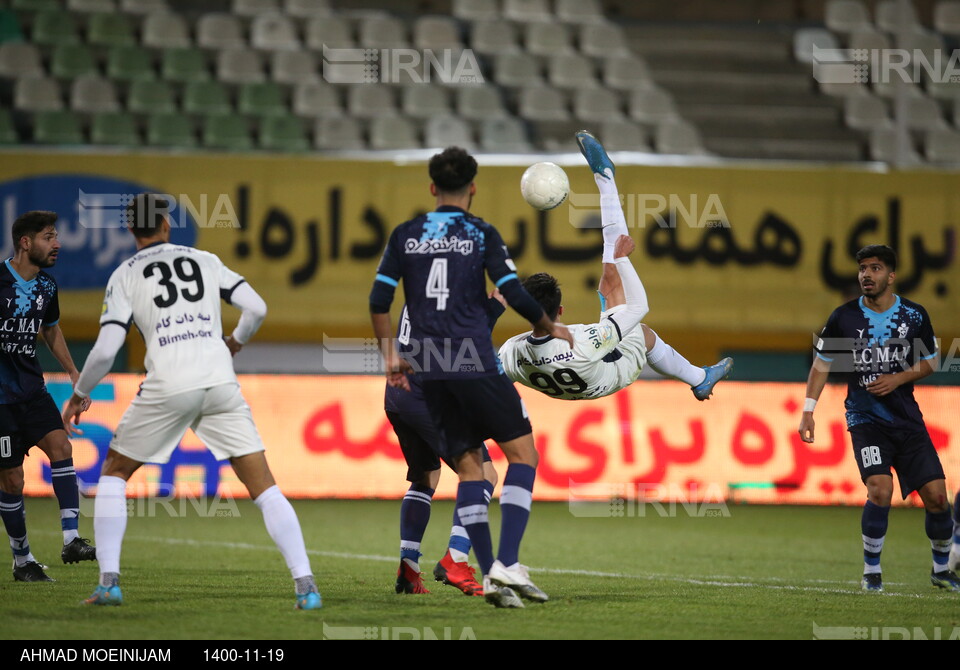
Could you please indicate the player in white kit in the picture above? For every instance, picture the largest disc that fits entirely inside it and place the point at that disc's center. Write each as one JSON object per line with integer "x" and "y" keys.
{"x": 172, "y": 294}
{"x": 608, "y": 355}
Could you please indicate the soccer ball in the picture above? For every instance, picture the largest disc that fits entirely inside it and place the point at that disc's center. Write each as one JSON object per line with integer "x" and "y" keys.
{"x": 544, "y": 185}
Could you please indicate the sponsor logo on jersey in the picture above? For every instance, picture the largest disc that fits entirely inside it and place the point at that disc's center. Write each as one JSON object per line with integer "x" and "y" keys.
{"x": 546, "y": 360}
{"x": 440, "y": 245}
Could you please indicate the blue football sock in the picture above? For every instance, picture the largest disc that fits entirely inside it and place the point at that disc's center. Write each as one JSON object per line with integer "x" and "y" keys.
{"x": 515, "y": 500}
{"x": 940, "y": 531}
{"x": 414, "y": 517}
{"x": 956, "y": 520}
{"x": 15, "y": 522}
{"x": 472, "y": 508}
{"x": 68, "y": 496}
{"x": 459, "y": 546}
{"x": 873, "y": 525}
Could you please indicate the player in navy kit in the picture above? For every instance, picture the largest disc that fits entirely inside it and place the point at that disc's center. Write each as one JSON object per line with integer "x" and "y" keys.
{"x": 28, "y": 416}
{"x": 443, "y": 258}
{"x": 884, "y": 343}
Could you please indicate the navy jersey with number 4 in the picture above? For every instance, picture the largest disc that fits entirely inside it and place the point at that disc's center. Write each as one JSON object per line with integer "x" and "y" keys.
{"x": 865, "y": 344}
{"x": 25, "y": 306}
{"x": 441, "y": 257}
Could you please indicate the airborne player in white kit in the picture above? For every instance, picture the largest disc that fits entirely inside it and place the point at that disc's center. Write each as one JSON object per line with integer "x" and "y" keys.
{"x": 172, "y": 293}
{"x": 607, "y": 356}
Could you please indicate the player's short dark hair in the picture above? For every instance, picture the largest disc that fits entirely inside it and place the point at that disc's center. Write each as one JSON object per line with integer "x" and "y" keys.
{"x": 885, "y": 254}
{"x": 545, "y": 289}
{"x": 453, "y": 169}
{"x": 145, "y": 214}
{"x": 30, "y": 223}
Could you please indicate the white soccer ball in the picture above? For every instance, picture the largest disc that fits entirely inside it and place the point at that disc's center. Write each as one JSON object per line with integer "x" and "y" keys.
{"x": 544, "y": 185}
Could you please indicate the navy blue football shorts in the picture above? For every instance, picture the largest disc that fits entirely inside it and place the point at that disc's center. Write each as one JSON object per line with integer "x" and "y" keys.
{"x": 24, "y": 424}
{"x": 421, "y": 443}
{"x": 910, "y": 452}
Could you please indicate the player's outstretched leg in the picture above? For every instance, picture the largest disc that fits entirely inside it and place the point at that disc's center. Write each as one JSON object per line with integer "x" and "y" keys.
{"x": 414, "y": 517}
{"x": 25, "y": 566}
{"x": 109, "y": 526}
{"x": 611, "y": 213}
{"x": 668, "y": 362}
{"x": 284, "y": 528}
{"x": 954, "y": 561}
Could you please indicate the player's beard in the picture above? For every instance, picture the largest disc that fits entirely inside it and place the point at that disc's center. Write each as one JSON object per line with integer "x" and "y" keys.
{"x": 875, "y": 291}
{"x": 47, "y": 260}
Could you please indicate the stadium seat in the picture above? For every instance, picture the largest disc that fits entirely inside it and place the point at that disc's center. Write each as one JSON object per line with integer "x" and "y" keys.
{"x": 170, "y": 130}
{"x": 69, "y": 61}
{"x": 883, "y": 147}
{"x": 571, "y": 71}
{"x": 184, "y": 65}
{"x": 517, "y": 70}
{"x": 92, "y": 6}
{"x": 476, "y": 103}
{"x": 151, "y": 97}
{"x": 57, "y": 127}
{"x": 263, "y": 99}
{"x": 294, "y": 67}
{"x": 37, "y": 94}
{"x": 239, "y": 66}
{"x": 548, "y": 39}
{"x": 543, "y": 103}
{"x": 622, "y": 135}
{"x": 368, "y": 102}
{"x": 866, "y": 112}
{"x": 114, "y": 128}
{"x": 924, "y": 114}
{"x": 943, "y": 90}
{"x": 926, "y": 43}
{"x": 494, "y": 38}
{"x": 476, "y": 10}
{"x": 130, "y": 64}
{"x": 436, "y": 32}
{"x": 626, "y": 73}
{"x": 894, "y": 16}
{"x": 652, "y": 106}
{"x": 527, "y": 10}
{"x": 393, "y": 133}
{"x": 338, "y": 134}
{"x": 18, "y": 59}
{"x": 844, "y": 90}
{"x": 206, "y": 97}
{"x": 110, "y": 30}
{"x": 10, "y": 27}
{"x": 420, "y": 101}
{"x": 165, "y": 31}
{"x": 942, "y": 146}
{"x": 868, "y": 38}
{"x": 447, "y": 131}
{"x": 678, "y": 137}
{"x": 283, "y": 133}
{"x": 51, "y": 28}
{"x": 91, "y": 94}
{"x": 220, "y": 31}
{"x": 382, "y": 32}
{"x": 225, "y": 131}
{"x": 303, "y": 9}
{"x": 946, "y": 17}
{"x": 254, "y": 7}
{"x": 316, "y": 99}
{"x": 331, "y": 31}
{"x": 890, "y": 89}
{"x": 273, "y": 32}
{"x": 845, "y": 16}
{"x": 579, "y": 11}
{"x": 806, "y": 39}
{"x": 596, "y": 105}
{"x": 8, "y": 130}
{"x": 144, "y": 7}
{"x": 505, "y": 135}
{"x": 603, "y": 40}
{"x": 37, "y": 5}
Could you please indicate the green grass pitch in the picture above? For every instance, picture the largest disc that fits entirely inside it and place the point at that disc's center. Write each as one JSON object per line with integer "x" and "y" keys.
{"x": 761, "y": 572}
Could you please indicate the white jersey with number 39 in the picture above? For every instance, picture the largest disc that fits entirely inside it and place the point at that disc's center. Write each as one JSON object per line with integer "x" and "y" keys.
{"x": 172, "y": 294}
{"x": 599, "y": 364}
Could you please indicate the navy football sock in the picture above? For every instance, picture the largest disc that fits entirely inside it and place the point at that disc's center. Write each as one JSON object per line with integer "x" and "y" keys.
{"x": 873, "y": 525}
{"x": 515, "y": 500}
{"x": 68, "y": 496}
{"x": 472, "y": 508}
{"x": 940, "y": 531}
{"x": 459, "y": 546}
{"x": 15, "y": 522}
{"x": 414, "y": 516}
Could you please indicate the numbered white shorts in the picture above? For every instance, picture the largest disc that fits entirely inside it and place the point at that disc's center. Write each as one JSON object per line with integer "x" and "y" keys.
{"x": 152, "y": 427}
{"x": 633, "y": 350}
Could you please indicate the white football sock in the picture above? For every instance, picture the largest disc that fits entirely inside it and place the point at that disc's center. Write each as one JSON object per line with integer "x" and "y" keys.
{"x": 110, "y": 521}
{"x": 611, "y": 215}
{"x": 284, "y": 527}
{"x": 664, "y": 359}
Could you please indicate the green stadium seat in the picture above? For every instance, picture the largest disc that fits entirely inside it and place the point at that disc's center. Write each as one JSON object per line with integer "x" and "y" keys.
{"x": 206, "y": 98}
{"x": 283, "y": 133}
{"x": 130, "y": 64}
{"x": 51, "y": 28}
{"x": 9, "y": 27}
{"x": 151, "y": 97}
{"x": 57, "y": 128}
{"x": 8, "y": 131}
{"x": 114, "y": 128}
{"x": 265, "y": 99}
{"x": 225, "y": 131}
{"x": 171, "y": 130}
{"x": 37, "y": 5}
{"x": 184, "y": 65}
{"x": 110, "y": 30}
{"x": 69, "y": 61}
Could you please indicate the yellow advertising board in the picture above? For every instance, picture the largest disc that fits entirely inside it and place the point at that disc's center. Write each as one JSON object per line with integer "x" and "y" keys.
{"x": 328, "y": 437}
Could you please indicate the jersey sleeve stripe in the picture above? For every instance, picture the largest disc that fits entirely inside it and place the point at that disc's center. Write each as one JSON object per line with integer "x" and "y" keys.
{"x": 933, "y": 355}
{"x": 125, "y": 326}
{"x": 52, "y": 323}
{"x": 822, "y": 357}
{"x": 226, "y": 294}
{"x": 617, "y": 326}
{"x": 504, "y": 279}
{"x": 387, "y": 280}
